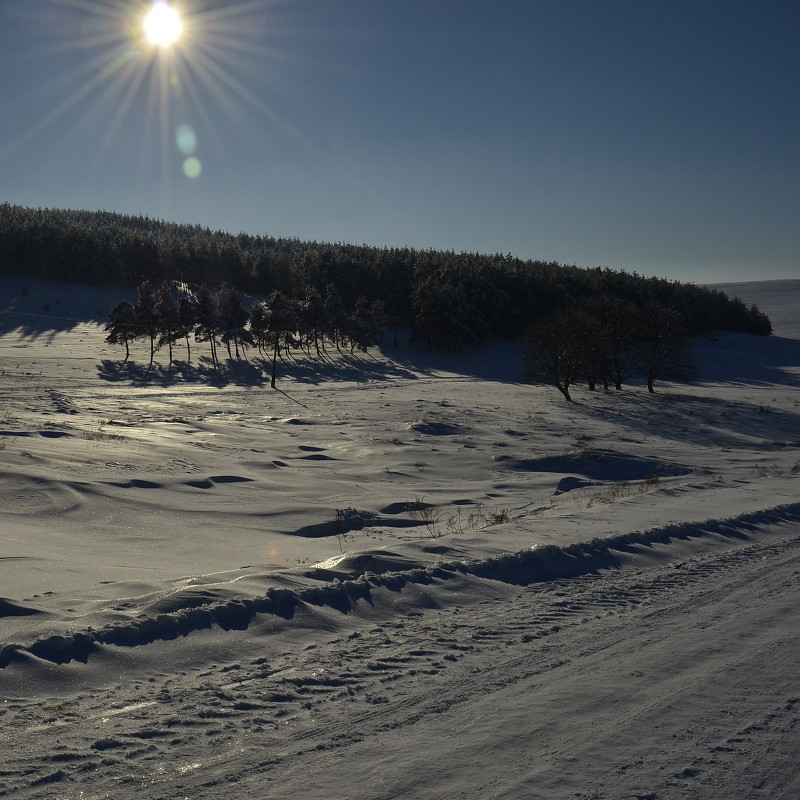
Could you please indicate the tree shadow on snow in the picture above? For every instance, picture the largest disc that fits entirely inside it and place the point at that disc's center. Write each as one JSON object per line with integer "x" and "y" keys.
{"x": 37, "y": 327}
{"x": 704, "y": 421}
{"x": 36, "y": 309}
{"x": 257, "y": 372}
{"x": 230, "y": 372}
{"x": 749, "y": 360}
{"x": 494, "y": 360}
{"x": 327, "y": 367}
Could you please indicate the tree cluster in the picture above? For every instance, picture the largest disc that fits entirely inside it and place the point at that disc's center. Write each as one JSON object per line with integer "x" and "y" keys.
{"x": 604, "y": 341}
{"x": 273, "y": 326}
{"x": 450, "y": 300}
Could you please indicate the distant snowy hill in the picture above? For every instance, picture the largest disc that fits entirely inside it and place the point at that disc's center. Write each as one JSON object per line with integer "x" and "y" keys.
{"x": 777, "y": 299}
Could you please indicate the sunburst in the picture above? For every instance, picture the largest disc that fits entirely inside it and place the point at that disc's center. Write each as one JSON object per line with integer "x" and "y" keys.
{"x": 180, "y": 58}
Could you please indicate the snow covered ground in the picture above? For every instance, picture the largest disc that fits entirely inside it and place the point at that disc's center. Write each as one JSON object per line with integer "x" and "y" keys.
{"x": 211, "y": 586}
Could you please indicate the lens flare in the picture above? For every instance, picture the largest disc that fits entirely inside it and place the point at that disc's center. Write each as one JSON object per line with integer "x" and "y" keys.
{"x": 192, "y": 167}
{"x": 186, "y": 139}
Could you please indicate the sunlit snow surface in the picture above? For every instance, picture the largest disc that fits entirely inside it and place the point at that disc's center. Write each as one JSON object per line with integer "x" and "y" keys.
{"x": 211, "y": 585}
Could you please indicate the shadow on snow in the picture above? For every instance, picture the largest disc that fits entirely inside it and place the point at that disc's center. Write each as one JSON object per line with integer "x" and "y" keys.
{"x": 356, "y": 368}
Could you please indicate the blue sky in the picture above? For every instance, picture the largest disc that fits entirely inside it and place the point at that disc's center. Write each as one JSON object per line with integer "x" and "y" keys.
{"x": 647, "y": 135}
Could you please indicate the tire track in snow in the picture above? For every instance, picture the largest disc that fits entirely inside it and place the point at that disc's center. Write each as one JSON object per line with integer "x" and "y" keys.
{"x": 527, "y": 567}
{"x": 191, "y": 732}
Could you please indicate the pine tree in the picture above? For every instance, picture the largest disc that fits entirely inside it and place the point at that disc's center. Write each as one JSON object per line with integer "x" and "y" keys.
{"x": 233, "y": 319}
{"x": 282, "y": 319}
{"x": 187, "y": 321}
{"x": 314, "y": 318}
{"x": 121, "y": 325}
{"x": 146, "y": 316}
{"x": 363, "y": 330}
{"x": 260, "y": 326}
{"x": 381, "y": 319}
{"x": 207, "y": 327}
{"x": 335, "y": 316}
{"x": 168, "y": 320}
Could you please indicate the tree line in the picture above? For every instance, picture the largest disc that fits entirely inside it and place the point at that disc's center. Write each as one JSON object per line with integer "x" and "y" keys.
{"x": 449, "y": 300}
{"x": 177, "y": 314}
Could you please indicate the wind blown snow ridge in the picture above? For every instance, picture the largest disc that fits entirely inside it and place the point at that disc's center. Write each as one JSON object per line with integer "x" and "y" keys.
{"x": 349, "y": 582}
{"x": 555, "y": 562}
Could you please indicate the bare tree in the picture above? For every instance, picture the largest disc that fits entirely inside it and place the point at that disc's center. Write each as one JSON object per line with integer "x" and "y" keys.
{"x": 612, "y": 346}
{"x": 554, "y": 350}
{"x": 664, "y": 348}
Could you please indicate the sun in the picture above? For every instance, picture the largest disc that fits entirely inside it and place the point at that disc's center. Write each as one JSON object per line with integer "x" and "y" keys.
{"x": 163, "y": 66}
{"x": 163, "y": 25}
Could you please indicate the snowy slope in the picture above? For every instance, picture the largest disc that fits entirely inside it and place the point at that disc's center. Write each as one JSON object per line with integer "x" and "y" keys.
{"x": 602, "y": 604}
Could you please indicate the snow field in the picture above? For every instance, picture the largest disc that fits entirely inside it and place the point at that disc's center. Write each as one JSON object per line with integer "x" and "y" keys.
{"x": 210, "y": 585}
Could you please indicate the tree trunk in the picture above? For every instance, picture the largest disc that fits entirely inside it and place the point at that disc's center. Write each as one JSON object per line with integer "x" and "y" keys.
{"x": 275, "y": 361}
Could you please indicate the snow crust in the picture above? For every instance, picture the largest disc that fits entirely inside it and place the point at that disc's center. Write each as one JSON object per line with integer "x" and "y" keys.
{"x": 397, "y": 575}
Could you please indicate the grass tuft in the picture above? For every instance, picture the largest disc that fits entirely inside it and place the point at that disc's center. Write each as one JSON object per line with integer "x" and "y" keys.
{"x": 614, "y": 492}
{"x": 618, "y": 491}
{"x": 100, "y": 434}
{"x": 478, "y": 519}
{"x": 425, "y": 514}
{"x": 768, "y": 471}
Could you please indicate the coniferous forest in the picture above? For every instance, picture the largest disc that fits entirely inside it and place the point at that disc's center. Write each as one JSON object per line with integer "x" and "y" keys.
{"x": 450, "y": 299}
{"x": 571, "y": 322}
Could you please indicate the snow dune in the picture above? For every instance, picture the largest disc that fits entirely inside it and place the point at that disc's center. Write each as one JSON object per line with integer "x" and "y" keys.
{"x": 397, "y": 575}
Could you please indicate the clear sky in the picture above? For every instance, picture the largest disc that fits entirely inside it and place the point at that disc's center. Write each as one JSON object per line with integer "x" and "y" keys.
{"x": 661, "y": 136}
